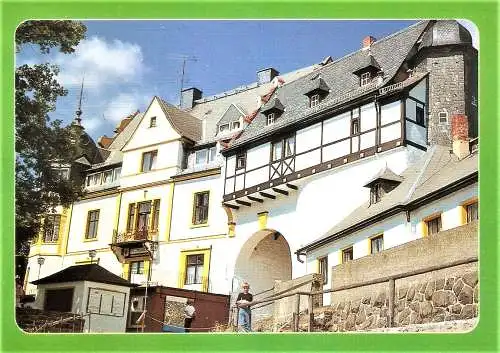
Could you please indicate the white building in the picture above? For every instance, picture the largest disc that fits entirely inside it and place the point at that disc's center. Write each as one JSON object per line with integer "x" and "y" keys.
{"x": 229, "y": 187}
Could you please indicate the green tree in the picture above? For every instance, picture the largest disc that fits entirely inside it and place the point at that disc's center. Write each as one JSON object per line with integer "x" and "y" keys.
{"x": 40, "y": 141}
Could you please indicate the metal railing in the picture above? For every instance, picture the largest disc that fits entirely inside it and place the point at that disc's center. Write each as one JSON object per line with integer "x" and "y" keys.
{"x": 134, "y": 235}
{"x": 389, "y": 279}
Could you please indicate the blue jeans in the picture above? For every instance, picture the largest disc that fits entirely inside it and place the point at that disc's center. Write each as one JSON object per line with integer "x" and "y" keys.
{"x": 245, "y": 319}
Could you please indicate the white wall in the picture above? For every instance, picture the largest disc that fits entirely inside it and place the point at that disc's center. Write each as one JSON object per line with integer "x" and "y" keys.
{"x": 368, "y": 117}
{"x": 258, "y": 156}
{"x": 182, "y": 210}
{"x": 78, "y": 295}
{"x": 167, "y": 164}
{"x": 308, "y": 138}
{"x": 337, "y": 127}
{"x": 390, "y": 112}
{"x": 108, "y": 207}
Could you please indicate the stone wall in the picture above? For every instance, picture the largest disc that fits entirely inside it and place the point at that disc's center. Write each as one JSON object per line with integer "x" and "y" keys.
{"x": 452, "y": 296}
{"x": 451, "y": 293}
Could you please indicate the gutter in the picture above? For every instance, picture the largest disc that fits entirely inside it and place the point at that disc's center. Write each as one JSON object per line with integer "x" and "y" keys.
{"x": 448, "y": 189}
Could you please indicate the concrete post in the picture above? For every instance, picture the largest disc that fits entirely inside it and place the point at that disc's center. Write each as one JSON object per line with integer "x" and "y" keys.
{"x": 296, "y": 313}
{"x": 392, "y": 290}
{"x": 311, "y": 314}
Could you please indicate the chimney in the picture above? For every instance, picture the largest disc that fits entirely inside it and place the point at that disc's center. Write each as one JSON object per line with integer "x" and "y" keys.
{"x": 266, "y": 75}
{"x": 368, "y": 40}
{"x": 188, "y": 96}
{"x": 460, "y": 135}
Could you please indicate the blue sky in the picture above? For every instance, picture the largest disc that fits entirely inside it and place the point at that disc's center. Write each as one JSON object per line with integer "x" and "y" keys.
{"x": 126, "y": 63}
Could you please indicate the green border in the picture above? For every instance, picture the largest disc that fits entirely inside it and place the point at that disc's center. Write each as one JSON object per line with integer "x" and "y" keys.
{"x": 483, "y": 338}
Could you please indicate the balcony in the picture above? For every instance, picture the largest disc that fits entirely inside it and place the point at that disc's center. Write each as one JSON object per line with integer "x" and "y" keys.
{"x": 135, "y": 245}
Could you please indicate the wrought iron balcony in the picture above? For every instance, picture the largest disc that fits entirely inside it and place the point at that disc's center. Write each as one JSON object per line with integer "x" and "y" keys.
{"x": 136, "y": 245}
{"x": 132, "y": 236}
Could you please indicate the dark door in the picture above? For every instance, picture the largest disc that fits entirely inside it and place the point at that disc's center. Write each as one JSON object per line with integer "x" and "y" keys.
{"x": 59, "y": 299}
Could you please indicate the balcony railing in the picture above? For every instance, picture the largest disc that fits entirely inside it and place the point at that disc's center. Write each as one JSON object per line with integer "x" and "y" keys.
{"x": 134, "y": 235}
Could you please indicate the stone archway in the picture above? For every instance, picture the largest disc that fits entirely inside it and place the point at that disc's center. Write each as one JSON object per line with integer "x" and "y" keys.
{"x": 264, "y": 258}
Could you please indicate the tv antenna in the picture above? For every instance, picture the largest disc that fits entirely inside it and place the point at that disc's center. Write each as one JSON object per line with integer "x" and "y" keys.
{"x": 185, "y": 59}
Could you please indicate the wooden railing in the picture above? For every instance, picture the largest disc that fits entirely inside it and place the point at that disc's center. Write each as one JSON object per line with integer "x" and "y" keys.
{"x": 389, "y": 279}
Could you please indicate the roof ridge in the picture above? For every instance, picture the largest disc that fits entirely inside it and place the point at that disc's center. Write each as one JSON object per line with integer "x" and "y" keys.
{"x": 410, "y": 193}
{"x": 374, "y": 44}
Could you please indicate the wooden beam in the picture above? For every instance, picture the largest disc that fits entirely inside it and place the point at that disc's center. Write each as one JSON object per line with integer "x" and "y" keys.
{"x": 244, "y": 203}
{"x": 256, "y": 199}
{"x": 291, "y": 186}
{"x": 234, "y": 207}
{"x": 283, "y": 192}
{"x": 269, "y": 196}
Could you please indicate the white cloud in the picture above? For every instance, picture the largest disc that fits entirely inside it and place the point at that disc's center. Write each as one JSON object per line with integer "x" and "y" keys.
{"x": 123, "y": 105}
{"x": 102, "y": 62}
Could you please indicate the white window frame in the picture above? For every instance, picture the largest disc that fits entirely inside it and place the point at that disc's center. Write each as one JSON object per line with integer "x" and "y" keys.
{"x": 224, "y": 127}
{"x": 365, "y": 78}
{"x": 271, "y": 119}
{"x": 314, "y": 100}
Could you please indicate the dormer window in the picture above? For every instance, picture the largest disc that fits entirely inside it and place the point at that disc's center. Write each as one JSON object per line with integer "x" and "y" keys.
{"x": 384, "y": 182}
{"x": 224, "y": 127}
{"x": 365, "y": 78}
{"x": 236, "y": 125}
{"x": 270, "y": 119}
{"x": 314, "y": 100}
{"x": 152, "y": 121}
{"x": 375, "y": 193}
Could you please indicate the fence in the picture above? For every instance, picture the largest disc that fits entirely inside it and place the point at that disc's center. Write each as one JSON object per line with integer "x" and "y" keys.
{"x": 390, "y": 280}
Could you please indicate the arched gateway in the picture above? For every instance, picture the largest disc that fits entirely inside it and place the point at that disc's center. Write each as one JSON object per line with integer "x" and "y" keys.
{"x": 264, "y": 258}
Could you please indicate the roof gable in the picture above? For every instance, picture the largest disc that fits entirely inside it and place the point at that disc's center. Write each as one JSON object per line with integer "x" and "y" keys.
{"x": 145, "y": 134}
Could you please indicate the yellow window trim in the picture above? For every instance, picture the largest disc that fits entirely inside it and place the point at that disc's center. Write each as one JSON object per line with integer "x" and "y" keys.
{"x": 85, "y": 239}
{"x": 89, "y": 261}
{"x": 370, "y": 242}
{"x": 425, "y": 228}
{"x": 341, "y": 253}
{"x": 463, "y": 208}
{"x": 170, "y": 203}
{"x": 136, "y": 215}
{"x": 125, "y": 270}
{"x": 193, "y": 198}
{"x": 206, "y": 252}
{"x": 42, "y": 235}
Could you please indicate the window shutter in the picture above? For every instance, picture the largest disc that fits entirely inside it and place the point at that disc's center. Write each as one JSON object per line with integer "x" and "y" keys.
{"x": 126, "y": 271}
{"x": 147, "y": 265}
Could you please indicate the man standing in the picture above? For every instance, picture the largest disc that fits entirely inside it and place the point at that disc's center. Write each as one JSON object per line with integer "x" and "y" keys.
{"x": 189, "y": 314}
{"x": 244, "y": 314}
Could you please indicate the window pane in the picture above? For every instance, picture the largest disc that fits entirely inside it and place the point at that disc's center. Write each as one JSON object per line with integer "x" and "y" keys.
{"x": 107, "y": 176}
{"x": 472, "y": 212}
{"x": 201, "y": 157}
{"x": 212, "y": 152}
{"x": 116, "y": 173}
{"x": 289, "y": 146}
{"x": 146, "y": 161}
{"x": 153, "y": 160}
{"x": 277, "y": 148}
{"x": 377, "y": 244}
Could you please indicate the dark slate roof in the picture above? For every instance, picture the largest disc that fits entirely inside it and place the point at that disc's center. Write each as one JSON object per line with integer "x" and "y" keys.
{"x": 446, "y": 32}
{"x": 317, "y": 84}
{"x": 88, "y": 272}
{"x": 437, "y": 169}
{"x": 368, "y": 62}
{"x": 184, "y": 123}
{"x": 385, "y": 174}
{"x": 233, "y": 113}
{"x": 390, "y": 52}
{"x": 273, "y": 104}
